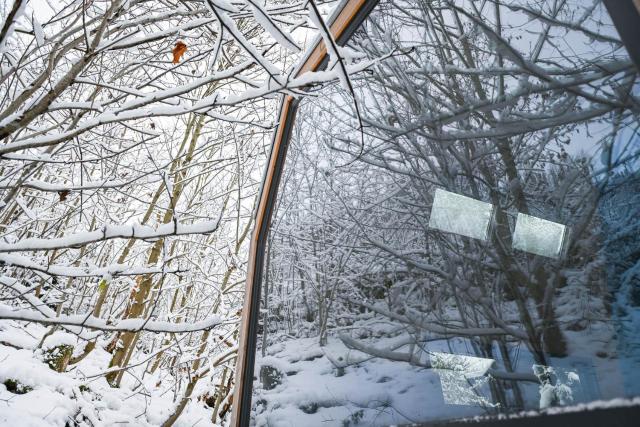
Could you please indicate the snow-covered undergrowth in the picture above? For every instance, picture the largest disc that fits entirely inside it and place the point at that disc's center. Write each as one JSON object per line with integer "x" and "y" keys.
{"x": 32, "y": 394}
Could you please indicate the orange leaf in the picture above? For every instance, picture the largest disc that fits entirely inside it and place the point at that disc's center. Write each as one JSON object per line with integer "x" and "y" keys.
{"x": 178, "y": 51}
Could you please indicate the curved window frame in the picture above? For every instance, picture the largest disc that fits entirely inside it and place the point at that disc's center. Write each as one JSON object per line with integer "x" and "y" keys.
{"x": 346, "y": 19}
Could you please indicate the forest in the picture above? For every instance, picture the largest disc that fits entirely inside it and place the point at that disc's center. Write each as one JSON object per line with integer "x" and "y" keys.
{"x": 455, "y": 232}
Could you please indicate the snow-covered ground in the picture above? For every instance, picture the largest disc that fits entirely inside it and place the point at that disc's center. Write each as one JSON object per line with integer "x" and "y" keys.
{"x": 315, "y": 392}
{"x": 333, "y": 385}
{"x": 81, "y": 396}
{"x": 298, "y": 382}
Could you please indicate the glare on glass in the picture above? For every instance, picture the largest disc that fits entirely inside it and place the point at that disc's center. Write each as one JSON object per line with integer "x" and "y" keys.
{"x": 539, "y": 236}
{"x": 463, "y": 378}
{"x": 462, "y": 215}
{"x": 467, "y": 366}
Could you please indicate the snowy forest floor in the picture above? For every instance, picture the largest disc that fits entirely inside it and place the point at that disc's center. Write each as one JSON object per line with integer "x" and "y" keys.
{"x": 373, "y": 392}
{"x": 40, "y": 396}
{"x": 310, "y": 385}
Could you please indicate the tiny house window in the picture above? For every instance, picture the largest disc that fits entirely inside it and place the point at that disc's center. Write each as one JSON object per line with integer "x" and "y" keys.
{"x": 458, "y": 236}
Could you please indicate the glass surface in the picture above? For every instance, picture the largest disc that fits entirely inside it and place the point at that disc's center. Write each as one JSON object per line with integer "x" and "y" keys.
{"x": 461, "y": 215}
{"x": 538, "y": 236}
{"x": 472, "y": 250}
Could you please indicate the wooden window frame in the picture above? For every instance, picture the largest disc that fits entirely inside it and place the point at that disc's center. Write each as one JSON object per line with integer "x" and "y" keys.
{"x": 344, "y": 21}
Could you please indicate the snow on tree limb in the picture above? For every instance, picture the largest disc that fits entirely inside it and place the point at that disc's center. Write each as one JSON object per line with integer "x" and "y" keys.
{"x": 262, "y": 16}
{"x": 91, "y": 322}
{"x": 114, "y": 270}
{"x": 202, "y": 105}
{"x": 107, "y": 232}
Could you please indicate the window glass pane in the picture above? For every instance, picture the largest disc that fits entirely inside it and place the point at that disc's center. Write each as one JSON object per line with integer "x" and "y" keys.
{"x": 473, "y": 249}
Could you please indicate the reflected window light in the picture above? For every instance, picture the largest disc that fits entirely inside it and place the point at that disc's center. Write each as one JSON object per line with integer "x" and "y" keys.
{"x": 463, "y": 378}
{"x": 462, "y": 215}
{"x": 539, "y": 236}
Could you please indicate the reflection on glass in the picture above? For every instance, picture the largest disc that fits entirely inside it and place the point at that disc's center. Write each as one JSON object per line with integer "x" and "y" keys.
{"x": 466, "y": 366}
{"x": 370, "y": 314}
{"x": 462, "y": 215}
{"x": 462, "y": 378}
{"x": 539, "y": 236}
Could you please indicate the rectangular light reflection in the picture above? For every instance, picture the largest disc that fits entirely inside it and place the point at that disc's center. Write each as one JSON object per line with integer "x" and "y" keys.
{"x": 462, "y": 215}
{"x": 539, "y": 236}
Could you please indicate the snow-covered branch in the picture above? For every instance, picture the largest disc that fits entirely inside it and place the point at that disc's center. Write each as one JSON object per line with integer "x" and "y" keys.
{"x": 91, "y": 322}
{"x": 108, "y": 232}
